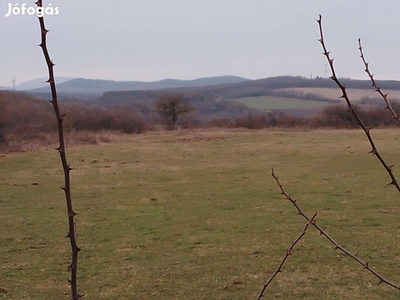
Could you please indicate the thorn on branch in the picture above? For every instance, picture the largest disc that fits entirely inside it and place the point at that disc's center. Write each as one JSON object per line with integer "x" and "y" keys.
{"x": 312, "y": 221}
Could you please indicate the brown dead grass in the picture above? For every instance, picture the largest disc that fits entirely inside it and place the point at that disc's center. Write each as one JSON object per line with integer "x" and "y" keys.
{"x": 46, "y": 141}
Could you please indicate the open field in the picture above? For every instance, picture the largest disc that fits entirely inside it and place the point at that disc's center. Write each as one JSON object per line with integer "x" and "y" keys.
{"x": 282, "y": 103}
{"x": 274, "y": 103}
{"x": 196, "y": 215}
{"x": 354, "y": 94}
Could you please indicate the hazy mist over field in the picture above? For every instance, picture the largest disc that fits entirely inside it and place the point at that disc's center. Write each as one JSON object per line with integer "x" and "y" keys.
{"x": 153, "y": 40}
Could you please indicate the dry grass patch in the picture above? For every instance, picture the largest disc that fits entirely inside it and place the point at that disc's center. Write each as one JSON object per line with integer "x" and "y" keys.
{"x": 170, "y": 215}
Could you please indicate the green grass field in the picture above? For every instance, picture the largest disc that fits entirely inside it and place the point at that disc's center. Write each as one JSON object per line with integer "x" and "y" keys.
{"x": 197, "y": 215}
{"x": 354, "y": 94}
{"x": 276, "y": 103}
{"x": 273, "y": 103}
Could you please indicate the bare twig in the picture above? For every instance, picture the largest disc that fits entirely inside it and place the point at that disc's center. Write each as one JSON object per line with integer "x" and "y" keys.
{"x": 288, "y": 252}
{"x": 345, "y": 96}
{"x": 337, "y": 246}
{"x": 66, "y": 167}
{"x": 375, "y": 85}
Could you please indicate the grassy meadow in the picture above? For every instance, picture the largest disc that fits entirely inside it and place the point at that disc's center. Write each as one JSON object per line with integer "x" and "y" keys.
{"x": 280, "y": 103}
{"x": 274, "y": 102}
{"x": 197, "y": 215}
{"x": 354, "y": 94}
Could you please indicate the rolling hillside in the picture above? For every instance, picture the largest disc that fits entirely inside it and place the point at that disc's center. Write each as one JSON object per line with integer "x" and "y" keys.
{"x": 96, "y": 87}
{"x": 215, "y": 96}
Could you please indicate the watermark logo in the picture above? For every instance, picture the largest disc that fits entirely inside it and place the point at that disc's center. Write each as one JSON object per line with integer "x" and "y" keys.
{"x": 37, "y": 11}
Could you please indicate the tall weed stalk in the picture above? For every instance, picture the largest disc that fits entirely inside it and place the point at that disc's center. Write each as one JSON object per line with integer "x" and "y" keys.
{"x": 72, "y": 235}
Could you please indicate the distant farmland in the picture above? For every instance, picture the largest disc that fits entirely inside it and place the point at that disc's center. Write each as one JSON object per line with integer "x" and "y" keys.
{"x": 307, "y": 107}
{"x": 334, "y": 93}
{"x": 280, "y": 103}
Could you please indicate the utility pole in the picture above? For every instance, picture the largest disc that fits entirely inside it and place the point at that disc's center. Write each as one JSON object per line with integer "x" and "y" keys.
{"x": 13, "y": 83}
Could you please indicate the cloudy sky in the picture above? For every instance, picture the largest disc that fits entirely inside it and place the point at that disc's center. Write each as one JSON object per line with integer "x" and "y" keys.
{"x": 150, "y": 40}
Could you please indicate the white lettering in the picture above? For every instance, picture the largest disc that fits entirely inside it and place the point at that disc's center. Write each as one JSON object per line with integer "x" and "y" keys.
{"x": 31, "y": 11}
{"x": 49, "y": 10}
{"x": 9, "y": 10}
{"x": 16, "y": 10}
{"x": 39, "y": 11}
{"x": 23, "y": 8}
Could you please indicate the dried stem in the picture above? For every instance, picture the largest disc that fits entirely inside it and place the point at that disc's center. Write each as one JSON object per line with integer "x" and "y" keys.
{"x": 337, "y": 246}
{"x": 375, "y": 85}
{"x": 288, "y": 252}
{"x": 66, "y": 167}
{"x": 345, "y": 96}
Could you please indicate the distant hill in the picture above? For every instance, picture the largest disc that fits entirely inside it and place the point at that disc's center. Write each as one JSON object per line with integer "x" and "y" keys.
{"x": 96, "y": 87}
{"x": 110, "y": 92}
{"x": 225, "y": 97}
{"x": 250, "y": 88}
{"x": 39, "y": 83}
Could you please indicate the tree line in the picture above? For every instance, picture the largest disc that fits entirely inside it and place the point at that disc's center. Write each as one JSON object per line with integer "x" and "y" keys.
{"x": 25, "y": 117}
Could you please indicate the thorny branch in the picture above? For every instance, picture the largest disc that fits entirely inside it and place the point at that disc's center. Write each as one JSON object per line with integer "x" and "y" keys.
{"x": 337, "y": 246}
{"x": 375, "y": 85}
{"x": 288, "y": 252}
{"x": 66, "y": 167}
{"x": 345, "y": 96}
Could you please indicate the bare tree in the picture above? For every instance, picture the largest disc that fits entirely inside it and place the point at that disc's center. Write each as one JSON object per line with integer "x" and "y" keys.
{"x": 170, "y": 107}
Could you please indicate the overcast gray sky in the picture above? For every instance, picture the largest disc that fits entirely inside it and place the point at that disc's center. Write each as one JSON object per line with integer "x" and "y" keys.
{"x": 186, "y": 39}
